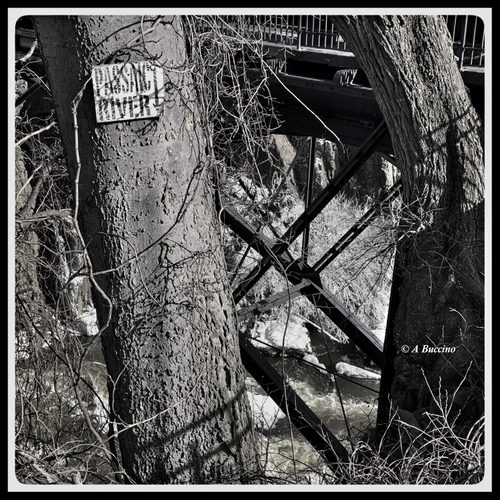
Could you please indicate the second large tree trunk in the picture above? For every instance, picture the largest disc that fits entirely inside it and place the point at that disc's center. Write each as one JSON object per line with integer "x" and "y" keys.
{"x": 437, "y": 138}
{"x": 146, "y": 210}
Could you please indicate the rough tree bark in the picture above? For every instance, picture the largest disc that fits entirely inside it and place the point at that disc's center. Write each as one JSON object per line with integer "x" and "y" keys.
{"x": 438, "y": 142}
{"x": 147, "y": 214}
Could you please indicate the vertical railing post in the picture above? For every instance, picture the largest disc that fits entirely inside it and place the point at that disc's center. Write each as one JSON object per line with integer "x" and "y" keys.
{"x": 481, "y": 51}
{"x": 299, "y": 34}
{"x": 462, "y": 43}
{"x": 473, "y": 50}
{"x": 332, "y": 34}
{"x": 312, "y": 31}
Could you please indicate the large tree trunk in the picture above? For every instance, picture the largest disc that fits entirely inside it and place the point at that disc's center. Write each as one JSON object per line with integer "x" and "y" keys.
{"x": 146, "y": 210}
{"x": 437, "y": 138}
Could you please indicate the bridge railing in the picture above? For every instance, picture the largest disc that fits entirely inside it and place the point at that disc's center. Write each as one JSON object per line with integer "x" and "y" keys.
{"x": 467, "y": 33}
{"x": 290, "y": 30}
{"x": 319, "y": 32}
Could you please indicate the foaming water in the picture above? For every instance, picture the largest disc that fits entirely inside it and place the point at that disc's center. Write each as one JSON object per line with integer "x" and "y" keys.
{"x": 348, "y": 416}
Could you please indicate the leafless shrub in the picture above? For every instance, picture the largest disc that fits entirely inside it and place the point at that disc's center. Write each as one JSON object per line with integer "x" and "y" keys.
{"x": 60, "y": 409}
{"x": 408, "y": 452}
{"x": 61, "y": 417}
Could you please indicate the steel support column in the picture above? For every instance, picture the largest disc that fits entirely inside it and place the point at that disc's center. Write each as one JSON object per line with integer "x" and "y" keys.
{"x": 331, "y": 190}
{"x": 311, "y": 288}
{"x": 309, "y": 195}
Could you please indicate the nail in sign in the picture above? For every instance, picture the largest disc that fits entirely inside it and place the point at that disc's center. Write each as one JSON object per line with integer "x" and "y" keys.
{"x": 127, "y": 91}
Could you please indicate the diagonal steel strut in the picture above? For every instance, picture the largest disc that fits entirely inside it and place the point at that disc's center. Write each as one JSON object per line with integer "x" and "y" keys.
{"x": 331, "y": 190}
{"x": 304, "y": 419}
{"x": 289, "y": 294}
{"x": 304, "y": 275}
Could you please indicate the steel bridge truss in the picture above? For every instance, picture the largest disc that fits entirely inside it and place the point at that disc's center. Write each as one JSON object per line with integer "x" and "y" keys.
{"x": 305, "y": 280}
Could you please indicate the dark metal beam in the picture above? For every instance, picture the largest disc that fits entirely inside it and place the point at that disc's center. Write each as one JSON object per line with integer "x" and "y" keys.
{"x": 389, "y": 355}
{"x": 304, "y": 419}
{"x": 309, "y": 195}
{"x": 350, "y": 112}
{"x": 289, "y": 294}
{"x": 310, "y": 287}
{"x": 275, "y": 300}
{"x": 357, "y": 228}
{"x": 320, "y": 202}
{"x": 351, "y": 325}
{"x": 333, "y": 187}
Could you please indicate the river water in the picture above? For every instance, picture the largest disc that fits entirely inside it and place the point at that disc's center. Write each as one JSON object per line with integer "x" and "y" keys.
{"x": 348, "y": 416}
{"x": 356, "y": 408}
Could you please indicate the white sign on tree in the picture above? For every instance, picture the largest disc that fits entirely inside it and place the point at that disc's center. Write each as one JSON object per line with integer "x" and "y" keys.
{"x": 127, "y": 91}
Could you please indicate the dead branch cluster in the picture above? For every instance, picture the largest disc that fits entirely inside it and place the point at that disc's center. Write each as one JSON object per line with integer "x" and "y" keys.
{"x": 61, "y": 416}
{"x": 60, "y": 410}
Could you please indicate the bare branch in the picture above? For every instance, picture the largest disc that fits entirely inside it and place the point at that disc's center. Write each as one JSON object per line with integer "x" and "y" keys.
{"x": 36, "y": 132}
